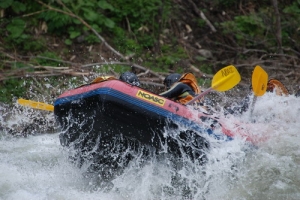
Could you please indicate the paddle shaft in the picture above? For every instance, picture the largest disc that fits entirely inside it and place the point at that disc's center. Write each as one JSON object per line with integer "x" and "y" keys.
{"x": 252, "y": 105}
{"x": 199, "y": 96}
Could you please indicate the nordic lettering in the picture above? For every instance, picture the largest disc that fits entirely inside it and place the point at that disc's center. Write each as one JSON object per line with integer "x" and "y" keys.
{"x": 227, "y": 71}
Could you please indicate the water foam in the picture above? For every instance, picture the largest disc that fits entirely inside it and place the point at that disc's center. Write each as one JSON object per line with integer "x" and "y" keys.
{"x": 37, "y": 167}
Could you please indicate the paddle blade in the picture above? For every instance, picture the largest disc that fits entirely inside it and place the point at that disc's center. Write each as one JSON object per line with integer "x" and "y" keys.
{"x": 36, "y": 105}
{"x": 223, "y": 80}
{"x": 226, "y": 78}
{"x": 259, "y": 81}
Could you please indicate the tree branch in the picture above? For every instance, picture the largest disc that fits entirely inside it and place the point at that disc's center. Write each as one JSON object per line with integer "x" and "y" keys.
{"x": 201, "y": 14}
{"x": 278, "y": 26}
{"x": 69, "y": 13}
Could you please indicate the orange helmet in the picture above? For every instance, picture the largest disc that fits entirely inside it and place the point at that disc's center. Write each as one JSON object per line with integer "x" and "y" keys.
{"x": 276, "y": 85}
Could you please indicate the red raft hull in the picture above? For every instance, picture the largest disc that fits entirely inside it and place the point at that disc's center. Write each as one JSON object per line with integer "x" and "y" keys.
{"x": 102, "y": 118}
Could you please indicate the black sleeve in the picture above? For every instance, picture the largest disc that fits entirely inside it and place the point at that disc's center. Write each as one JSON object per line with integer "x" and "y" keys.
{"x": 177, "y": 90}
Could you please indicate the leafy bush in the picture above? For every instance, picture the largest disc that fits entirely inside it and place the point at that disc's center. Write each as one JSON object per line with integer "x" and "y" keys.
{"x": 11, "y": 88}
{"x": 246, "y": 28}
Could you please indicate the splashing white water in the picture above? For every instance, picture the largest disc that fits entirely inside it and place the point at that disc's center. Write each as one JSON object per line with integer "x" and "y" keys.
{"x": 37, "y": 167}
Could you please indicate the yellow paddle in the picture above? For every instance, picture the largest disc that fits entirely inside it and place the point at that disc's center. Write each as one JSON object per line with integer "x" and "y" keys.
{"x": 36, "y": 105}
{"x": 259, "y": 81}
{"x": 259, "y": 84}
{"x": 48, "y": 107}
{"x": 225, "y": 79}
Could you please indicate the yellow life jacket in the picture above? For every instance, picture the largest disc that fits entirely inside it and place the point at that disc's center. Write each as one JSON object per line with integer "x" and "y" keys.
{"x": 98, "y": 80}
{"x": 190, "y": 80}
{"x": 102, "y": 78}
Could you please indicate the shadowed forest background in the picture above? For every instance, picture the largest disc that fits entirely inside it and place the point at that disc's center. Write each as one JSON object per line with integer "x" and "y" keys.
{"x": 47, "y": 45}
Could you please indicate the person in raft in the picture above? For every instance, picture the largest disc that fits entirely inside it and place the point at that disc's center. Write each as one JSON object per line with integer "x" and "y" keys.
{"x": 273, "y": 85}
{"x": 276, "y": 86}
{"x": 131, "y": 78}
{"x": 128, "y": 77}
{"x": 181, "y": 88}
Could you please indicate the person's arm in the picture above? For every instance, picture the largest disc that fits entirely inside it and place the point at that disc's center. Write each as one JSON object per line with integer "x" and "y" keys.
{"x": 176, "y": 90}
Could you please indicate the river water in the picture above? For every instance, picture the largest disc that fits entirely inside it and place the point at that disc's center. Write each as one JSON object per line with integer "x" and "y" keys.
{"x": 36, "y": 167}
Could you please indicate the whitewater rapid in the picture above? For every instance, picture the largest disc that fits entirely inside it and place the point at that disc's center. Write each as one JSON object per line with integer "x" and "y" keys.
{"x": 36, "y": 167}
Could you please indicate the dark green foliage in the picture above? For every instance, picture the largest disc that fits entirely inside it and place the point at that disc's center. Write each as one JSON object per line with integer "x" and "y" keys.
{"x": 145, "y": 20}
{"x": 16, "y": 28}
{"x": 224, "y": 3}
{"x": 52, "y": 59}
{"x": 91, "y": 39}
{"x": 10, "y": 88}
{"x": 56, "y": 22}
{"x": 138, "y": 27}
{"x": 236, "y": 5}
{"x": 246, "y": 29}
{"x": 170, "y": 55}
{"x": 290, "y": 22}
{"x": 6, "y": 3}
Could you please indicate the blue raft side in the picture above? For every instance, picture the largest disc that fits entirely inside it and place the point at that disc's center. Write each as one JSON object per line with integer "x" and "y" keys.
{"x": 144, "y": 105}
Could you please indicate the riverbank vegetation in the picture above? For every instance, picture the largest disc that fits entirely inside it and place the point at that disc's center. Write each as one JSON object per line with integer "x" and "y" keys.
{"x": 48, "y": 45}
